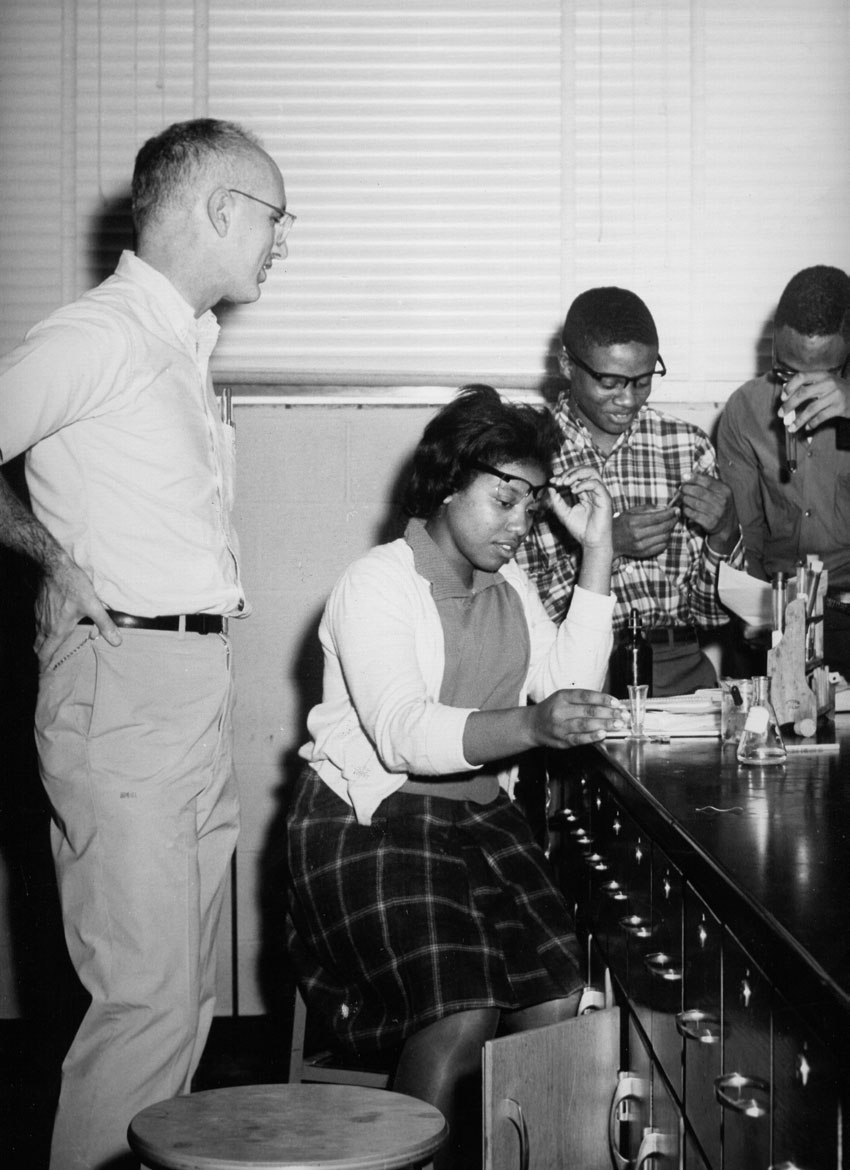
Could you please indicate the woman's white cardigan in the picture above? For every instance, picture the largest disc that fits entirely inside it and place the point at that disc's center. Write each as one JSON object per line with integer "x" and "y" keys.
{"x": 380, "y": 718}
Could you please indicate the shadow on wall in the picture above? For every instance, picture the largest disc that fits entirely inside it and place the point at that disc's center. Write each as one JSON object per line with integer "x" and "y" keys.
{"x": 110, "y": 232}
{"x": 38, "y": 983}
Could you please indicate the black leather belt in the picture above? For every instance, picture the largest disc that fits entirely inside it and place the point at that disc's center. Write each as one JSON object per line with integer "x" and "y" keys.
{"x": 671, "y": 635}
{"x": 195, "y": 623}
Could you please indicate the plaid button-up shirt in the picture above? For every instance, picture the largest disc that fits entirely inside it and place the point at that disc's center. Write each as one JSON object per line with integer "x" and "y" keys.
{"x": 645, "y": 466}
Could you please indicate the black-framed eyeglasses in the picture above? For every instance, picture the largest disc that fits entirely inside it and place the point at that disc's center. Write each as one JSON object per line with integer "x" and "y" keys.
{"x": 620, "y": 381}
{"x": 513, "y": 489}
{"x": 285, "y": 219}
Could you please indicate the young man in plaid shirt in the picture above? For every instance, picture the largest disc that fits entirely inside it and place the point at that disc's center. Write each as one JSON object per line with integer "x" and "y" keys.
{"x": 674, "y": 520}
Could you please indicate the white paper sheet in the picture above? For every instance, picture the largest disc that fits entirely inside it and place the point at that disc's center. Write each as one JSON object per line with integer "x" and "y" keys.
{"x": 696, "y": 715}
{"x": 750, "y": 599}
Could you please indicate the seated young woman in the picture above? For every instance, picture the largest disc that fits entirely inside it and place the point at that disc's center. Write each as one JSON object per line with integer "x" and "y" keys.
{"x": 422, "y": 912}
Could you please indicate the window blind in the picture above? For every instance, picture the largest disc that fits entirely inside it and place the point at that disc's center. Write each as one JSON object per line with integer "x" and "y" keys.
{"x": 459, "y": 172}
{"x": 628, "y": 162}
{"x": 772, "y": 168}
{"x": 708, "y": 151}
{"x": 135, "y": 66}
{"x": 30, "y": 165}
{"x": 420, "y": 144}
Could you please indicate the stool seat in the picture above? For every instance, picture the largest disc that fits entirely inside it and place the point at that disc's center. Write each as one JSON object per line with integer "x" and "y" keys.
{"x": 288, "y": 1127}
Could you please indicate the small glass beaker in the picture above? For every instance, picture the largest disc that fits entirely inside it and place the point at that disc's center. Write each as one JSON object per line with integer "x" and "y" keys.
{"x": 637, "y": 709}
{"x": 735, "y": 698}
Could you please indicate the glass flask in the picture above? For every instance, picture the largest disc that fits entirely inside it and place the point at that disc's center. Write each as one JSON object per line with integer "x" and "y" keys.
{"x": 761, "y": 742}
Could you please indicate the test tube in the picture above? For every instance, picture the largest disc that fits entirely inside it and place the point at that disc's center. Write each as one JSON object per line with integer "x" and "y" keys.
{"x": 790, "y": 451}
{"x": 802, "y": 580}
{"x": 779, "y": 599}
{"x": 815, "y": 570}
{"x": 790, "y": 437}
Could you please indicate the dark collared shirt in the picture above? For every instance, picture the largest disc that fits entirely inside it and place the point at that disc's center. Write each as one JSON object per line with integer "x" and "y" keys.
{"x": 784, "y": 517}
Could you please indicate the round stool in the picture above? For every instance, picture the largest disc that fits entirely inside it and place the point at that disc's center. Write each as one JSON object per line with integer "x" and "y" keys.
{"x": 288, "y": 1127}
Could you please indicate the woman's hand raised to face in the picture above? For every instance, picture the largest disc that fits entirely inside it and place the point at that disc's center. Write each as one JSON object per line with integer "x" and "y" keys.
{"x": 589, "y": 518}
{"x": 569, "y": 718}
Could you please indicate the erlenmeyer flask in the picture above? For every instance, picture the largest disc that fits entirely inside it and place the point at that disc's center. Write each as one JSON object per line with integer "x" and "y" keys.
{"x": 761, "y": 742}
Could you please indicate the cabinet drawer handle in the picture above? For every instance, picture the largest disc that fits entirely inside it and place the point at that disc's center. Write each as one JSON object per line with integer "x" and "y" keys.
{"x": 747, "y": 1095}
{"x": 636, "y": 925}
{"x": 655, "y": 1144}
{"x": 629, "y": 1088}
{"x": 512, "y": 1110}
{"x": 592, "y": 1000}
{"x": 694, "y": 1024}
{"x": 663, "y": 965}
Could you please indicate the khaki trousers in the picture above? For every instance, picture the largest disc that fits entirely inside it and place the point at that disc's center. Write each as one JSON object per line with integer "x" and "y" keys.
{"x": 135, "y": 748}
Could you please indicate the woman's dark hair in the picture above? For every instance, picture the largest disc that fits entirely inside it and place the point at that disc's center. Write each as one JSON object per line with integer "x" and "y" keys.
{"x": 477, "y": 425}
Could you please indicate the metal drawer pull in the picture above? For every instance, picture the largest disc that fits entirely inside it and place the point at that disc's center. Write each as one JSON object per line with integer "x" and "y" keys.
{"x": 694, "y": 1024}
{"x": 512, "y": 1110}
{"x": 655, "y": 1144}
{"x": 630, "y": 1088}
{"x": 615, "y": 890}
{"x": 636, "y": 925}
{"x": 747, "y": 1095}
{"x": 596, "y": 861}
{"x": 592, "y": 1000}
{"x": 663, "y": 965}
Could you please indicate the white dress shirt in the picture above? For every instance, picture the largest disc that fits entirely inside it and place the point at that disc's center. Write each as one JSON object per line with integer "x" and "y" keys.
{"x": 129, "y": 465}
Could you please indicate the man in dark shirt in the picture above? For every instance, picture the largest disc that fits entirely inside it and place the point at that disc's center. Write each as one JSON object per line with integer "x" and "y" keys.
{"x": 783, "y": 447}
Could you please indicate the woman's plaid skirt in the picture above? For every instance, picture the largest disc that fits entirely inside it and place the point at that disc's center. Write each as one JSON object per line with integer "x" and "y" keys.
{"x": 438, "y": 906}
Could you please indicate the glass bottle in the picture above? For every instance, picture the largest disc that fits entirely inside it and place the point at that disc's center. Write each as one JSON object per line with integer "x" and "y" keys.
{"x": 631, "y": 661}
{"x": 761, "y": 742}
